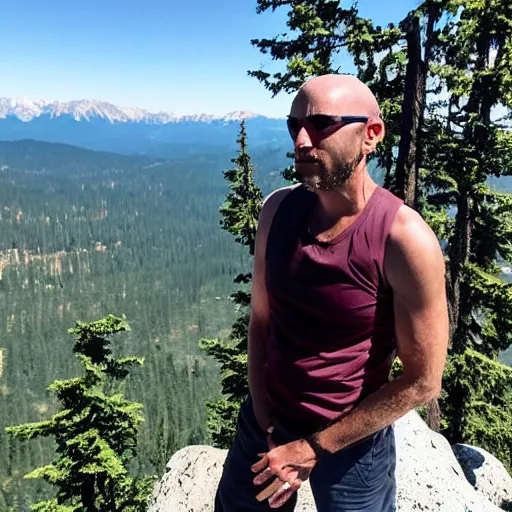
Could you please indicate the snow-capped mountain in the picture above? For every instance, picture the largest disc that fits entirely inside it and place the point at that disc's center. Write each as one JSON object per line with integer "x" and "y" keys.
{"x": 102, "y": 126}
{"x": 85, "y": 110}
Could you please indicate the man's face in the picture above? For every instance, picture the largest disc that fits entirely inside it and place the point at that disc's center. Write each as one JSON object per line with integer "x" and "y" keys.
{"x": 327, "y": 150}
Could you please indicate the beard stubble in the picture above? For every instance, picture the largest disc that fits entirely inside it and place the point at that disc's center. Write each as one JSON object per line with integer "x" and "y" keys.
{"x": 323, "y": 180}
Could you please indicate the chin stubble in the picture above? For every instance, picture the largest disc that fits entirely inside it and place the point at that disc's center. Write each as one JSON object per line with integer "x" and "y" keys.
{"x": 334, "y": 180}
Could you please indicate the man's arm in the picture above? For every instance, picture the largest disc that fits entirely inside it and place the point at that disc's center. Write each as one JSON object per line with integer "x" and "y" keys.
{"x": 259, "y": 318}
{"x": 414, "y": 268}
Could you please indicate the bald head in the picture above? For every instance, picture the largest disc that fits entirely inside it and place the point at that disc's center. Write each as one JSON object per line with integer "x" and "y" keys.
{"x": 336, "y": 95}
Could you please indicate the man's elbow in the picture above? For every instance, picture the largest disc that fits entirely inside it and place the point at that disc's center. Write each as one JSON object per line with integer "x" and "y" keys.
{"x": 421, "y": 388}
{"x": 425, "y": 390}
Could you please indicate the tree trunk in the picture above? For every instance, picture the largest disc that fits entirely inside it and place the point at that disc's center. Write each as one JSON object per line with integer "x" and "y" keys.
{"x": 434, "y": 415}
{"x": 87, "y": 494}
{"x": 413, "y": 106}
{"x": 433, "y": 16}
{"x": 387, "y": 177}
{"x": 409, "y": 154}
{"x": 433, "y": 409}
{"x": 459, "y": 251}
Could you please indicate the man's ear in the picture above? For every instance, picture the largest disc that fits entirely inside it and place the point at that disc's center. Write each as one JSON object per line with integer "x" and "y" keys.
{"x": 375, "y": 132}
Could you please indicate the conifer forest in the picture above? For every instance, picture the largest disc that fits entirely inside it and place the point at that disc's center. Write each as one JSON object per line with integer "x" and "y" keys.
{"x": 86, "y": 234}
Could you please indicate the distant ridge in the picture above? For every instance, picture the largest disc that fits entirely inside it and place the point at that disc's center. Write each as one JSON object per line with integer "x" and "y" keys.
{"x": 85, "y": 110}
{"x": 32, "y": 149}
{"x": 102, "y": 126}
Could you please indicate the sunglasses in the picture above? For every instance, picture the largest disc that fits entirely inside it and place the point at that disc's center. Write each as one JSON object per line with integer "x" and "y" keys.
{"x": 320, "y": 123}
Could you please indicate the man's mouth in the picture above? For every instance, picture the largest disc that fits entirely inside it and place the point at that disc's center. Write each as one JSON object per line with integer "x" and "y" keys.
{"x": 306, "y": 161}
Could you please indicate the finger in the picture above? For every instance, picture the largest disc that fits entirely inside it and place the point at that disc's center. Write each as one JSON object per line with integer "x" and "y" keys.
{"x": 283, "y": 494}
{"x": 271, "y": 489}
{"x": 256, "y": 468}
{"x": 263, "y": 477}
{"x": 286, "y": 474}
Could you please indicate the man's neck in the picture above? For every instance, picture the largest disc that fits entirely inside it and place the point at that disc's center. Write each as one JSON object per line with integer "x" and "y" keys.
{"x": 346, "y": 201}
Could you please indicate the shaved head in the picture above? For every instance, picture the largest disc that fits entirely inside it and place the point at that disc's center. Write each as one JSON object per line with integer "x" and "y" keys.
{"x": 326, "y": 159}
{"x": 337, "y": 95}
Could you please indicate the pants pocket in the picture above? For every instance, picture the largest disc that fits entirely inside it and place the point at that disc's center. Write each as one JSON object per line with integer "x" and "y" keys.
{"x": 378, "y": 462}
{"x": 357, "y": 478}
{"x": 364, "y": 464}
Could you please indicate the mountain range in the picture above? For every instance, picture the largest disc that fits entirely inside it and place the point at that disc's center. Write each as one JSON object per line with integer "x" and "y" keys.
{"x": 99, "y": 125}
{"x": 86, "y": 110}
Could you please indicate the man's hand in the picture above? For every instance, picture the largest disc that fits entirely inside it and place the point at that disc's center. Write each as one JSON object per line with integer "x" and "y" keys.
{"x": 289, "y": 464}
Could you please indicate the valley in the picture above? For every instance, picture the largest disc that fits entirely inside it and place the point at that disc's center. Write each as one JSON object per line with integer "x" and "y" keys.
{"x": 84, "y": 234}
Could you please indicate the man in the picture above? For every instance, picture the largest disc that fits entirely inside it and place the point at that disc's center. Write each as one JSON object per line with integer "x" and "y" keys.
{"x": 345, "y": 277}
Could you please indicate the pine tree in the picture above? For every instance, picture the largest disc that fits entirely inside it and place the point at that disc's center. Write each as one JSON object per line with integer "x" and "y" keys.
{"x": 439, "y": 153}
{"x": 465, "y": 146}
{"x": 240, "y": 214}
{"x": 95, "y": 431}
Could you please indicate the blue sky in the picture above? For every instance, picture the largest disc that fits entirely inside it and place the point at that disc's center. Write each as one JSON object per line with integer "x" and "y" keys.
{"x": 187, "y": 57}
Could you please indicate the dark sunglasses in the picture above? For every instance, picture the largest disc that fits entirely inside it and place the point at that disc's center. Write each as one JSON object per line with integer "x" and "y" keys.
{"x": 321, "y": 122}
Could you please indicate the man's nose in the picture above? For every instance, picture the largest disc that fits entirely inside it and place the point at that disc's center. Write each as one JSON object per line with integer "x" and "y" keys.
{"x": 303, "y": 139}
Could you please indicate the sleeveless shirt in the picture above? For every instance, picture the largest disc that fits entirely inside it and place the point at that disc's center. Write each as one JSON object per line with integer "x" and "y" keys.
{"x": 331, "y": 337}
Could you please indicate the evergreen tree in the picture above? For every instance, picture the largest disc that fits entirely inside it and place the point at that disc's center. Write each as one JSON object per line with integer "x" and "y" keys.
{"x": 439, "y": 154}
{"x": 95, "y": 431}
{"x": 240, "y": 214}
{"x": 465, "y": 146}
{"x": 242, "y": 207}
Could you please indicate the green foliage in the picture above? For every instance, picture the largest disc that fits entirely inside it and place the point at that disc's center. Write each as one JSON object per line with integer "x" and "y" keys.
{"x": 243, "y": 202}
{"x": 311, "y": 52}
{"x": 396, "y": 368}
{"x": 464, "y": 147}
{"x": 240, "y": 217}
{"x": 477, "y": 403}
{"x": 489, "y": 302}
{"x": 95, "y": 430}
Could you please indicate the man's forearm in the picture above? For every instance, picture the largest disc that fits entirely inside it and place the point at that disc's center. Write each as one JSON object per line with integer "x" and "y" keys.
{"x": 376, "y": 412}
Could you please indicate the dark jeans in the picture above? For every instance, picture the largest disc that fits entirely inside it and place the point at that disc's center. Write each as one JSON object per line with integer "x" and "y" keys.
{"x": 357, "y": 478}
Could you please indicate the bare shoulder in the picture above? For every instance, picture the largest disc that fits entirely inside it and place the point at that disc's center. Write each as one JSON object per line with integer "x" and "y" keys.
{"x": 271, "y": 204}
{"x": 410, "y": 230}
{"x": 413, "y": 252}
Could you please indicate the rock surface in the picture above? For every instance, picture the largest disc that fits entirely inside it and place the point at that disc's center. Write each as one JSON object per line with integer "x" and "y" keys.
{"x": 429, "y": 477}
{"x": 428, "y": 474}
{"x": 486, "y": 474}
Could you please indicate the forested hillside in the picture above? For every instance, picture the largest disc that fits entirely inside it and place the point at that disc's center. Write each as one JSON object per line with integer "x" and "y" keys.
{"x": 83, "y": 234}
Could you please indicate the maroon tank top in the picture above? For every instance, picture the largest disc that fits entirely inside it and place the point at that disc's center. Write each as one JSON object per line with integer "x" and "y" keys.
{"x": 331, "y": 339}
